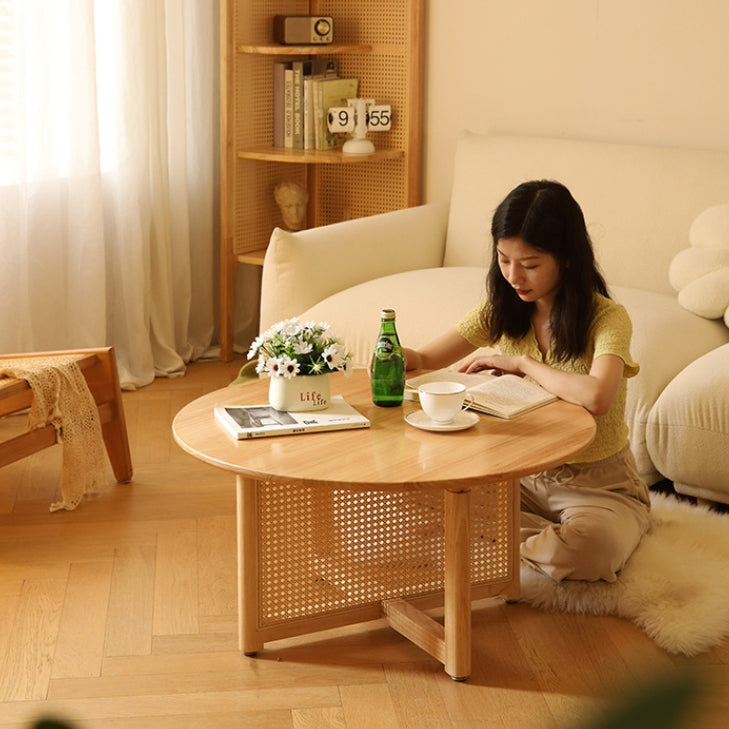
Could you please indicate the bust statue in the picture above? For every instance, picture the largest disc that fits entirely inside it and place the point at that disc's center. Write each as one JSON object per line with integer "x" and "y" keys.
{"x": 291, "y": 198}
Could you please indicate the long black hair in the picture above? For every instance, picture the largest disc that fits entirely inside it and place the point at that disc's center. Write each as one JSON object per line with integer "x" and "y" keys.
{"x": 544, "y": 215}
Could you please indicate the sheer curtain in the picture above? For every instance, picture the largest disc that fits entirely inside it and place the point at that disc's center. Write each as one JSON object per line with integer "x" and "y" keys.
{"x": 108, "y": 170}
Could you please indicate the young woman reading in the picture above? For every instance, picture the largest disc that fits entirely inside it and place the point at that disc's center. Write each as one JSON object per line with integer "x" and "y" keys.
{"x": 549, "y": 314}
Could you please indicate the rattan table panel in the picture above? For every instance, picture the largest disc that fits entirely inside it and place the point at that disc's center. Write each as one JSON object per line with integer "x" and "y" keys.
{"x": 321, "y": 551}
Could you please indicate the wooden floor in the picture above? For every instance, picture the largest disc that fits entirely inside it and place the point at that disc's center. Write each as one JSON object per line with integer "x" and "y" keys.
{"x": 122, "y": 615}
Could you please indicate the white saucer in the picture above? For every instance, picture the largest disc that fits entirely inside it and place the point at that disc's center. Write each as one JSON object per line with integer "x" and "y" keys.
{"x": 464, "y": 419}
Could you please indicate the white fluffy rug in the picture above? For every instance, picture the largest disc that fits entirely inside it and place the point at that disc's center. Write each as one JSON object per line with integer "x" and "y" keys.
{"x": 675, "y": 586}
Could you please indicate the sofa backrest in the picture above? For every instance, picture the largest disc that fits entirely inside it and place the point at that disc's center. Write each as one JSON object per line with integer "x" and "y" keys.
{"x": 639, "y": 201}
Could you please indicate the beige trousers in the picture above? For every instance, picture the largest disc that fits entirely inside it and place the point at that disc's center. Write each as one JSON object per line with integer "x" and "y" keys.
{"x": 582, "y": 521}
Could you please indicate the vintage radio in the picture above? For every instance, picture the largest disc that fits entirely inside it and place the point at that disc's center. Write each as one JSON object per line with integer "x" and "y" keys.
{"x": 302, "y": 29}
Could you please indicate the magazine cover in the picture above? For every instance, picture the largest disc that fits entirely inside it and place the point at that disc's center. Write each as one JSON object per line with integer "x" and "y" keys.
{"x": 258, "y": 421}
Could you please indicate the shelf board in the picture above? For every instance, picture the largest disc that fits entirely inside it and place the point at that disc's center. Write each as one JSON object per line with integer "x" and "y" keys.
{"x": 254, "y": 257}
{"x": 315, "y": 156}
{"x": 275, "y": 49}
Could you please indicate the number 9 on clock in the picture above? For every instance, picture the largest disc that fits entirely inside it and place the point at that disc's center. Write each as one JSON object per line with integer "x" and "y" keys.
{"x": 340, "y": 119}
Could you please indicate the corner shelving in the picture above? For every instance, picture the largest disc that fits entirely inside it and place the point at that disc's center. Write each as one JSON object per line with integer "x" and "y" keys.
{"x": 385, "y": 52}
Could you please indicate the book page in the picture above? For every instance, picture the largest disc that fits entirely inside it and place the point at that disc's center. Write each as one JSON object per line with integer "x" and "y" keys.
{"x": 509, "y": 394}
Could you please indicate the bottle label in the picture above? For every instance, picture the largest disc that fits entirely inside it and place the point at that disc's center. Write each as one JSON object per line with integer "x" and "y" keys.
{"x": 385, "y": 347}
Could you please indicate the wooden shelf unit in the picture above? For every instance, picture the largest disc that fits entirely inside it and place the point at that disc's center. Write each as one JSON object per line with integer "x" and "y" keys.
{"x": 379, "y": 42}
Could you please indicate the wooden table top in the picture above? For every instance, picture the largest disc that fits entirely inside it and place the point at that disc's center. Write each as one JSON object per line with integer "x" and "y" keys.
{"x": 390, "y": 453}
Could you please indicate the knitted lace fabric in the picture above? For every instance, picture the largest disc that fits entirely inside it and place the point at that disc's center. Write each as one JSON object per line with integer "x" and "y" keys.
{"x": 62, "y": 398}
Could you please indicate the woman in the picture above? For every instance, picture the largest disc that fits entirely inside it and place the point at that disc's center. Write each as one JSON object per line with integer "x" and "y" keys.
{"x": 549, "y": 314}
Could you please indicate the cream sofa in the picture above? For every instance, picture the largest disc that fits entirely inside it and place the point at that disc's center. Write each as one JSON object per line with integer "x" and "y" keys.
{"x": 428, "y": 263}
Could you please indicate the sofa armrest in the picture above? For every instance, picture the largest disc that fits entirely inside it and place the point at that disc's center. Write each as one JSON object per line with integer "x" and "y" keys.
{"x": 301, "y": 269}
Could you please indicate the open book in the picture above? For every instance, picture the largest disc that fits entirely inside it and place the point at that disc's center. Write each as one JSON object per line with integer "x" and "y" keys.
{"x": 258, "y": 421}
{"x": 505, "y": 396}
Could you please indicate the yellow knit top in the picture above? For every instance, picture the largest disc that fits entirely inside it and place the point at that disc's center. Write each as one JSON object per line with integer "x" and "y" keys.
{"x": 609, "y": 333}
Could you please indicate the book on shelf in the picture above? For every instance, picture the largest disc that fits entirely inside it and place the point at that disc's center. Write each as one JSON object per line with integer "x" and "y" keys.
{"x": 288, "y": 106}
{"x": 329, "y": 92}
{"x": 504, "y": 396}
{"x": 315, "y": 69}
{"x": 297, "y": 101}
{"x": 309, "y": 138}
{"x": 279, "y": 72}
{"x": 293, "y": 100}
{"x": 259, "y": 421}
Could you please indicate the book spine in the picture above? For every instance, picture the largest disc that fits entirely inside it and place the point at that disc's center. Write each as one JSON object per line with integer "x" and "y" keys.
{"x": 298, "y": 104}
{"x": 289, "y": 108}
{"x": 316, "y": 93}
{"x": 301, "y": 429}
{"x": 279, "y": 70}
{"x": 309, "y": 131}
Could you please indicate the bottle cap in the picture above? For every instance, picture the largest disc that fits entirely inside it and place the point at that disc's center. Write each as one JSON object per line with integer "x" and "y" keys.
{"x": 388, "y": 314}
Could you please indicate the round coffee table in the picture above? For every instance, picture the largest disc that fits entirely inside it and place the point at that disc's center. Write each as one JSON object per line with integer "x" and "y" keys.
{"x": 351, "y": 525}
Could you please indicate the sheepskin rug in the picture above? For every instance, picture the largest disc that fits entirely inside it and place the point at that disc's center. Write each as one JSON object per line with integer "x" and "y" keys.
{"x": 675, "y": 585}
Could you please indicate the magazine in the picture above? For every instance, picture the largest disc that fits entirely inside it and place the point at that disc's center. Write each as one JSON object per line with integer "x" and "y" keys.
{"x": 504, "y": 396}
{"x": 258, "y": 421}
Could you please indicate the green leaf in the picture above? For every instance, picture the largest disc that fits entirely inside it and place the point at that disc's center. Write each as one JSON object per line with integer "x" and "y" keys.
{"x": 663, "y": 703}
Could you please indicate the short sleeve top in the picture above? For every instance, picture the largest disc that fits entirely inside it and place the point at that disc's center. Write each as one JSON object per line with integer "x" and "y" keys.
{"x": 609, "y": 333}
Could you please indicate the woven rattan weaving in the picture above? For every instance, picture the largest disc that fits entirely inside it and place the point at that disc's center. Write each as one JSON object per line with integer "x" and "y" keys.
{"x": 323, "y": 550}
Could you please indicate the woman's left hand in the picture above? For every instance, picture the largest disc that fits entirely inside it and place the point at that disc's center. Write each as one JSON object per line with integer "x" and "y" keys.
{"x": 499, "y": 364}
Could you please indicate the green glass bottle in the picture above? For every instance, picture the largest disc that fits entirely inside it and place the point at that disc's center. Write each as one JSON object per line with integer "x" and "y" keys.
{"x": 387, "y": 369}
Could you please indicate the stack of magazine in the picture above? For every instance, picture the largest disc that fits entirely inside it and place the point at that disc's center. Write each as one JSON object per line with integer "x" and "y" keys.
{"x": 259, "y": 421}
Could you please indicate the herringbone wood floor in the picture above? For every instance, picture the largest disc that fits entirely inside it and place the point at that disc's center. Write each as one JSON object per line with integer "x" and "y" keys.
{"x": 122, "y": 615}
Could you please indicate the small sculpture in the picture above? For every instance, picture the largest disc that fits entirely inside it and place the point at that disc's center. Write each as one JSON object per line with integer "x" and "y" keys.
{"x": 291, "y": 198}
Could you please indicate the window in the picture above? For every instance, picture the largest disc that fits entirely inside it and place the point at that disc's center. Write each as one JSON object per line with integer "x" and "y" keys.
{"x": 8, "y": 93}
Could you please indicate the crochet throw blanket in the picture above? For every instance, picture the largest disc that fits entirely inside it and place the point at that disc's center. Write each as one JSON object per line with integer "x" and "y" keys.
{"x": 61, "y": 397}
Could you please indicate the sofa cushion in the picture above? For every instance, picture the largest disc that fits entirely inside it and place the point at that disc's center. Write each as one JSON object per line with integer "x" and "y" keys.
{"x": 305, "y": 267}
{"x": 426, "y": 303}
{"x": 688, "y": 427}
{"x": 666, "y": 338}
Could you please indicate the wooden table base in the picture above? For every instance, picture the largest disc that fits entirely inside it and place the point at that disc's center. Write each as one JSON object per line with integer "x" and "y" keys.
{"x": 450, "y": 642}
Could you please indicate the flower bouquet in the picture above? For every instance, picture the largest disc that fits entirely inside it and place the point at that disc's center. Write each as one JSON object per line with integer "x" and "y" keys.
{"x": 292, "y": 348}
{"x": 298, "y": 357}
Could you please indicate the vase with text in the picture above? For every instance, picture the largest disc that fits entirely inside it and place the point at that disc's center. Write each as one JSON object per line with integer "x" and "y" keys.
{"x": 300, "y": 393}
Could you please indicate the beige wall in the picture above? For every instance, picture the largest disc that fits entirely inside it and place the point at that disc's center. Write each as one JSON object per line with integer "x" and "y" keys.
{"x": 649, "y": 71}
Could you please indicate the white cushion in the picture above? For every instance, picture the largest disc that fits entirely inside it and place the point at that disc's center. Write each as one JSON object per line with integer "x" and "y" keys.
{"x": 305, "y": 267}
{"x": 688, "y": 427}
{"x": 691, "y": 264}
{"x": 666, "y": 338}
{"x": 426, "y": 303}
{"x": 710, "y": 229}
{"x": 701, "y": 273}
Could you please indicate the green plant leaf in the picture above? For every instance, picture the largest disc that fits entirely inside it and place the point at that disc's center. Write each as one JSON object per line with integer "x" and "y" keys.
{"x": 663, "y": 703}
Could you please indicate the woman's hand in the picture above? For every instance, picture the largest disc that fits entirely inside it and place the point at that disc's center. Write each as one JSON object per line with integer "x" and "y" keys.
{"x": 499, "y": 364}
{"x": 444, "y": 350}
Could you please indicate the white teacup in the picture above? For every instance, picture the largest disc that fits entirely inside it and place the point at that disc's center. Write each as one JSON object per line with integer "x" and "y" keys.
{"x": 442, "y": 401}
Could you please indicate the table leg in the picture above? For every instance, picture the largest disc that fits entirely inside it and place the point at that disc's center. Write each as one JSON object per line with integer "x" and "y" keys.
{"x": 247, "y": 536}
{"x": 457, "y": 584}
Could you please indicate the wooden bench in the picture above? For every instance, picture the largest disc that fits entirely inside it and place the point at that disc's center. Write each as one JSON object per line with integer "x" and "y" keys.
{"x": 99, "y": 369}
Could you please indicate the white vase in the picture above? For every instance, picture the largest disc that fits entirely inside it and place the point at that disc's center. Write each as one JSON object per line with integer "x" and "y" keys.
{"x": 303, "y": 392}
